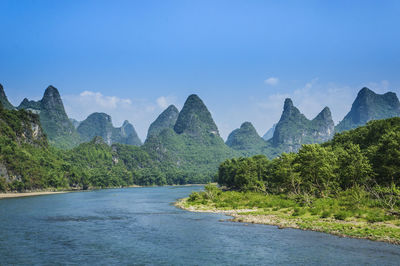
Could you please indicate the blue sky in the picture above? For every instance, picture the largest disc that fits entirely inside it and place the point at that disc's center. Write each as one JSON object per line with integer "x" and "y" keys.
{"x": 132, "y": 58}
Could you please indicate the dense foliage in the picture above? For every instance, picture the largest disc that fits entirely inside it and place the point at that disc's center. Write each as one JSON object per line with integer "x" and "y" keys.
{"x": 365, "y": 216}
{"x": 27, "y": 162}
{"x": 367, "y": 157}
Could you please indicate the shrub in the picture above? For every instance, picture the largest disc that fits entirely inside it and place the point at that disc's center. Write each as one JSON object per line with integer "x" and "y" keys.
{"x": 299, "y": 212}
{"x": 326, "y": 214}
{"x": 341, "y": 215}
{"x": 194, "y": 197}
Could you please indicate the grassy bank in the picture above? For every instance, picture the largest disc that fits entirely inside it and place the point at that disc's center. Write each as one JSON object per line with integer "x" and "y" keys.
{"x": 349, "y": 214}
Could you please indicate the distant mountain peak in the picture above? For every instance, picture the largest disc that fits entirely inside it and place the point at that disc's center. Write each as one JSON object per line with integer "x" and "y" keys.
{"x": 369, "y": 105}
{"x": 288, "y": 103}
{"x": 365, "y": 91}
{"x": 270, "y": 133}
{"x": 4, "y": 100}
{"x": 246, "y": 139}
{"x": 166, "y": 119}
{"x": 100, "y": 124}
{"x": 294, "y": 129}
{"x": 195, "y": 119}
{"x": 325, "y": 114}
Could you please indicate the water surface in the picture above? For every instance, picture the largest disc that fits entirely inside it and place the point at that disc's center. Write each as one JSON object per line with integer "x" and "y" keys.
{"x": 140, "y": 226}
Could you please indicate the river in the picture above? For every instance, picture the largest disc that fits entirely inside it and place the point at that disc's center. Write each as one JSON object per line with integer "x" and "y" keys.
{"x": 140, "y": 226}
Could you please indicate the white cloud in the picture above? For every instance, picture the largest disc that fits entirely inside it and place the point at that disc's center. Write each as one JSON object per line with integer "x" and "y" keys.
{"x": 165, "y": 101}
{"x": 109, "y": 102}
{"x": 379, "y": 87}
{"x": 272, "y": 81}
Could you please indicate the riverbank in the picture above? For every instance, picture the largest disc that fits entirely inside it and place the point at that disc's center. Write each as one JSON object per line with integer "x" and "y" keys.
{"x": 40, "y": 193}
{"x": 29, "y": 194}
{"x": 285, "y": 214}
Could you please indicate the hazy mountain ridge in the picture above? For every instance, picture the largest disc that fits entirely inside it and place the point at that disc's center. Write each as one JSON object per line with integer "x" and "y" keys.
{"x": 370, "y": 106}
{"x": 100, "y": 124}
{"x": 195, "y": 122}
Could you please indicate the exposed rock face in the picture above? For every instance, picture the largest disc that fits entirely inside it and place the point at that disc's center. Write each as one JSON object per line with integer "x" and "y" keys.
{"x": 323, "y": 127}
{"x": 370, "y": 106}
{"x": 294, "y": 129}
{"x": 100, "y": 124}
{"x": 4, "y": 100}
{"x": 53, "y": 117}
{"x": 270, "y": 133}
{"x": 127, "y": 135}
{"x": 166, "y": 119}
{"x": 195, "y": 119}
{"x": 246, "y": 139}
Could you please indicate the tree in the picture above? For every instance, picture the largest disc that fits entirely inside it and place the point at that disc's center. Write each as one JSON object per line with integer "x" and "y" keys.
{"x": 354, "y": 167}
{"x": 285, "y": 176}
{"x": 316, "y": 166}
{"x": 386, "y": 159}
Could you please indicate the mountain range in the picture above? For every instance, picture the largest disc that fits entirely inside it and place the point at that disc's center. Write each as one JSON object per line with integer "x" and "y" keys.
{"x": 179, "y": 136}
{"x": 182, "y": 146}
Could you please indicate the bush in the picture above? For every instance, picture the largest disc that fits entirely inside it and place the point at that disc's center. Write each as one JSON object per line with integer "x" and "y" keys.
{"x": 326, "y": 214}
{"x": 299, "y": 212}
{"x": 341, "y": 215}
{"x": 194, "y": 197}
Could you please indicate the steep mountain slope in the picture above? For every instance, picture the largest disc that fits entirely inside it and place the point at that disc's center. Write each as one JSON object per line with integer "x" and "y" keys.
{"x": 53, "y": 118}
{"x": 26, "y": 161}
{"x": 4, "y": 100}
{"x": 246, "y": 140}
{"x": 194, "y": 145}
{"x": 195, "y": 119}
{"x": 294, "y": 129}
{"x": 100, "y": 124}
{"x": 166, "y": 119}
{"x": 370, "y": 106}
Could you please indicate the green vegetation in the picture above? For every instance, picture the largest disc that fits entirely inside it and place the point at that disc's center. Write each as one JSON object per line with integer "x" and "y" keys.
{"x": 166, "y": 119}
{"x": 294, "y": 129}
{"x": 100, "y": 124}
{"x": 246, "y": 140}
{"x": 353, "y": 212}
{"x": 28, "y": 162}
{"x": 348, "y": 186}
{"x": 4, "y": 100}
{"x": 370, "y": 106}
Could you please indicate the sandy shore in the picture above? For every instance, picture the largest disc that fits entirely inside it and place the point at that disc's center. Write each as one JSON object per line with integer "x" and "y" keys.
{"x": 29, "y": 194}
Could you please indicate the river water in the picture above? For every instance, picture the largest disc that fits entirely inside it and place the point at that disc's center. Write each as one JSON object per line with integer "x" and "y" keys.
{"x": 139, "y": 226}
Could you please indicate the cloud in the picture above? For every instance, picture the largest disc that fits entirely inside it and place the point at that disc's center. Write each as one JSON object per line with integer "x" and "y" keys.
{"x": 271, "y": 81}
{"x": 165, "y": 101}
{"x": 379, "y": 87}
{"x": 140, "y": 112}
{"x": 109, "y": 102}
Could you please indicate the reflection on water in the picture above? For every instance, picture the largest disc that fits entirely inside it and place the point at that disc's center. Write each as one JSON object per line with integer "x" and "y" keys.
{"x": 140, "y": 226}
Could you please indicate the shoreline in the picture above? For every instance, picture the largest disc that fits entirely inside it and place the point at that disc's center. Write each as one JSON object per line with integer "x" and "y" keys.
{"x": 244, "y": 216}
{"x": 11, "y": 195}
